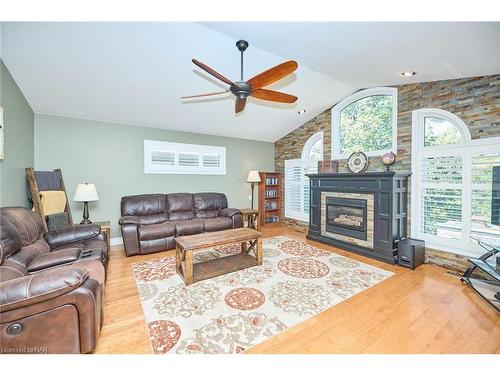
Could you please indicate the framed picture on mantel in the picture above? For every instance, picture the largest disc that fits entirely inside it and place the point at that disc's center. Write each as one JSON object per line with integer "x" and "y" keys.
{"x": 328, "y": 166}
{"x": 1, "y": 133}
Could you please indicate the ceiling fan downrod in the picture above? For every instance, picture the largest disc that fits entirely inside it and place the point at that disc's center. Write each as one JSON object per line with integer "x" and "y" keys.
{"x": 242, "y": 46}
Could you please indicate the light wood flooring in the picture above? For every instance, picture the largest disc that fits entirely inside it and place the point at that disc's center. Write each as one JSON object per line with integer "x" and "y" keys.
{"x": 421, "y": 311}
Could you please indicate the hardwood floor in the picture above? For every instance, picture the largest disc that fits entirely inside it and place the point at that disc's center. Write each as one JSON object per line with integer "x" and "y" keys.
{"x": 421, "y": 311}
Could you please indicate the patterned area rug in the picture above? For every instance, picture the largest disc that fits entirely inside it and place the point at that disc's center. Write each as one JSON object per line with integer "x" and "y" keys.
{"x": 234, "y": 312}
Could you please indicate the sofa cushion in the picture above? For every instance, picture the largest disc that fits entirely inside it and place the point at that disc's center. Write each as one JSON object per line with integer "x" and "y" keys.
{"x": 188, "y": 227}
{"x": 10, "y": 241}
{"x": 28, "y": 224}
{"x": 27, "y": 253}
{"x": 219, "y": 223}
{"x": 180, "y": 206}
{"x": 156, "y": 231}
{"x": 208, "y": 205}
{"x": 145, "y": 204}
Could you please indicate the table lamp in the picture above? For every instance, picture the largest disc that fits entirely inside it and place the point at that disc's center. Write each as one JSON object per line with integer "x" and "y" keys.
{"x": 85, "y": 193}
{"x": 253, "y": 177}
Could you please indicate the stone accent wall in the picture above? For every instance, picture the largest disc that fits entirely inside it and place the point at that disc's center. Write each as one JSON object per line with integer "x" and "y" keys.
{"x": 475, "y": 100}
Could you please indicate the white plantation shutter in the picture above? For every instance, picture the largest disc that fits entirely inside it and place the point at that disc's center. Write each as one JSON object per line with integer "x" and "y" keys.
{"x": 211, "y": 160}
{"x": 189, "y": 159}
{"x": 163, "y": 158}
{"x": 441, "y": 192}
{"x": 309, "y": 168}
{"x": 297, "y": 187}
{"x": 292, "y": 188}
{"x": 183, "y": 158}
{"x": 451, "y": 198}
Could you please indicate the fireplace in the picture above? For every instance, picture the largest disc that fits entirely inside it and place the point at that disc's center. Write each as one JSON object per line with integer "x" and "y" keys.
{"x": 347, "y": 216}
{"x": 360, "y": 212}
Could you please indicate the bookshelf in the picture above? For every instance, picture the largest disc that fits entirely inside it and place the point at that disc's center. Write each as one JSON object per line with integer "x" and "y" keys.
{"x": 270, "y": 190}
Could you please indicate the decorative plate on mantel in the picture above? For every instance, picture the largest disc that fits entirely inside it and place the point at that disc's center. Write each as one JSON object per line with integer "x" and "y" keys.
{"x": 357, "y": 162}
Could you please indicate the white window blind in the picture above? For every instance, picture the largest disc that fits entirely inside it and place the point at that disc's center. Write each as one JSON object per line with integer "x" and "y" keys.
{"x": 297, "y": 187}
{"x": 183, "y": 158}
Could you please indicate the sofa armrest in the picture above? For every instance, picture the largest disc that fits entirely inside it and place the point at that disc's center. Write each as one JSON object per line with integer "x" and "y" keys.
{"x": 229, "y": 212}
{"x": 71, "y": 234}
{"x": 54, "y": 258}
{"x": 124, "y": 220}
{"x": 39, "y": 287}
{"x": 234, "y": 214}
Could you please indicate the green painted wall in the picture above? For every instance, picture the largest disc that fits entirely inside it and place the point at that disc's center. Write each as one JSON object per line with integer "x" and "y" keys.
{"x": 111, "y": 156}
{"x": 18, "y": 119}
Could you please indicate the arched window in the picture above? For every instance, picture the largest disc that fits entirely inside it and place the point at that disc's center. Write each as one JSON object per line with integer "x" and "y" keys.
{"x": 365, "y": 121}
{"x": 296, "y": 181}
{"x": 313, "y": 149}
{"x": 453, "y": 191}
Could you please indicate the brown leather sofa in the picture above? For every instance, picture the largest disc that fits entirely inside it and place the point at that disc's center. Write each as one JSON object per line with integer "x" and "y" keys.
{"x": 150, "y": 222}
{"x": 51, "y": 285}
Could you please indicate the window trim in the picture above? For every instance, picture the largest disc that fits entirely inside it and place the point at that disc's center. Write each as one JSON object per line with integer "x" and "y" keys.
{"x": 306, "y": 150}
{"x": 466, "y": 151}
{"x": 336, "y": 125}
{"x": 183, "y": 148}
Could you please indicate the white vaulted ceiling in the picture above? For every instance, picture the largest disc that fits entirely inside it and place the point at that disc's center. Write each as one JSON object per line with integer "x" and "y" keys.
{"x": 135, "y": 73}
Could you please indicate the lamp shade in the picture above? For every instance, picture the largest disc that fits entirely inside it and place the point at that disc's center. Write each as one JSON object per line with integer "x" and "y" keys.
{"x": 253, "y": 176}
{"x": 85, "y": 193}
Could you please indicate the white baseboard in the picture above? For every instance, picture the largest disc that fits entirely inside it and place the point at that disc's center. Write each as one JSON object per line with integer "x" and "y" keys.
{"x": 116, "y": 241}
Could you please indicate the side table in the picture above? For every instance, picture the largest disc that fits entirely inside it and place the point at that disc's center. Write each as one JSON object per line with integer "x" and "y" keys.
{"x": 250, "y": 218}
{"x": 106, "y": 229}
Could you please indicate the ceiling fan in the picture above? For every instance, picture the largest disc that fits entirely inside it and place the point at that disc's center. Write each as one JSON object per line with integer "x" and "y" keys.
{"x": 254, "y": 86}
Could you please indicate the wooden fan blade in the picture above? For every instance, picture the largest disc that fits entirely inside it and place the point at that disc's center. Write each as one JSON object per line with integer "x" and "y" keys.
{"x": 201, "y": 95}
{"x": 274, "y": 96}
{"x": 212, "y": 72}
{"x": 273, "y": 74}
{"x": 240, "y": 105}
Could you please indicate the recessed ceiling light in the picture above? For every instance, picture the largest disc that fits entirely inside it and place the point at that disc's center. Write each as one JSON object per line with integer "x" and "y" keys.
{"x": 409, "y": 73}
{"x": 301, "y": 112}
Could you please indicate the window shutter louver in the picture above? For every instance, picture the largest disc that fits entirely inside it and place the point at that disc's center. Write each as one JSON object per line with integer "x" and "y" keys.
{"x": 189, "y": 159}
{"x": 211, "y": 160}
{"x": 163, "y": 157}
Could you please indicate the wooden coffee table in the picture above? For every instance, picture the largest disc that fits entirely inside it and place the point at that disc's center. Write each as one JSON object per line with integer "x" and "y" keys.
{"x": 249, "y": 239}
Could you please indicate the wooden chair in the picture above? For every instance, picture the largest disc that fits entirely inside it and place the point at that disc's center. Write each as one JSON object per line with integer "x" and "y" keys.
{"x": 39, "y": 181}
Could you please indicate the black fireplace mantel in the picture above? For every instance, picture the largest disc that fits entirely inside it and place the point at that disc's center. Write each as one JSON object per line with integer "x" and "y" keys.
{"x": 390, "y": 194}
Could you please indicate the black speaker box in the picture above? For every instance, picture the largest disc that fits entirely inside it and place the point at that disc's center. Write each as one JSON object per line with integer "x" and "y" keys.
{"x": 411, "y": 253}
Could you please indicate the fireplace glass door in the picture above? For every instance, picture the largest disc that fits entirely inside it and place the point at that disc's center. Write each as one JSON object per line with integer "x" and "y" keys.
{"x": 346, "y": 216}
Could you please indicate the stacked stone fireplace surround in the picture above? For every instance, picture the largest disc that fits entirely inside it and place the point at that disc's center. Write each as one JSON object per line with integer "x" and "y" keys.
{"x": 474, "y": 100}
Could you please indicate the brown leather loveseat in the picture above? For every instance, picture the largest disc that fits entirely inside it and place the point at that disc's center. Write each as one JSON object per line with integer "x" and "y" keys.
{"x": 150, "y": 222}
{"x": 51, "y": 285}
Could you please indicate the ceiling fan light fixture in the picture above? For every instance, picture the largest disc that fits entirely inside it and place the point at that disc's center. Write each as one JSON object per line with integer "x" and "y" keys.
{"x": 302, "y": 111}
{"x": 408, "y": 73}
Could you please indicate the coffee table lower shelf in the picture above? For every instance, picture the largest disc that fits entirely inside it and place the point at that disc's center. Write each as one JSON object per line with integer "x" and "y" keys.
{"x": 220, "y": 266}
{"x": 248, "y": 240}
